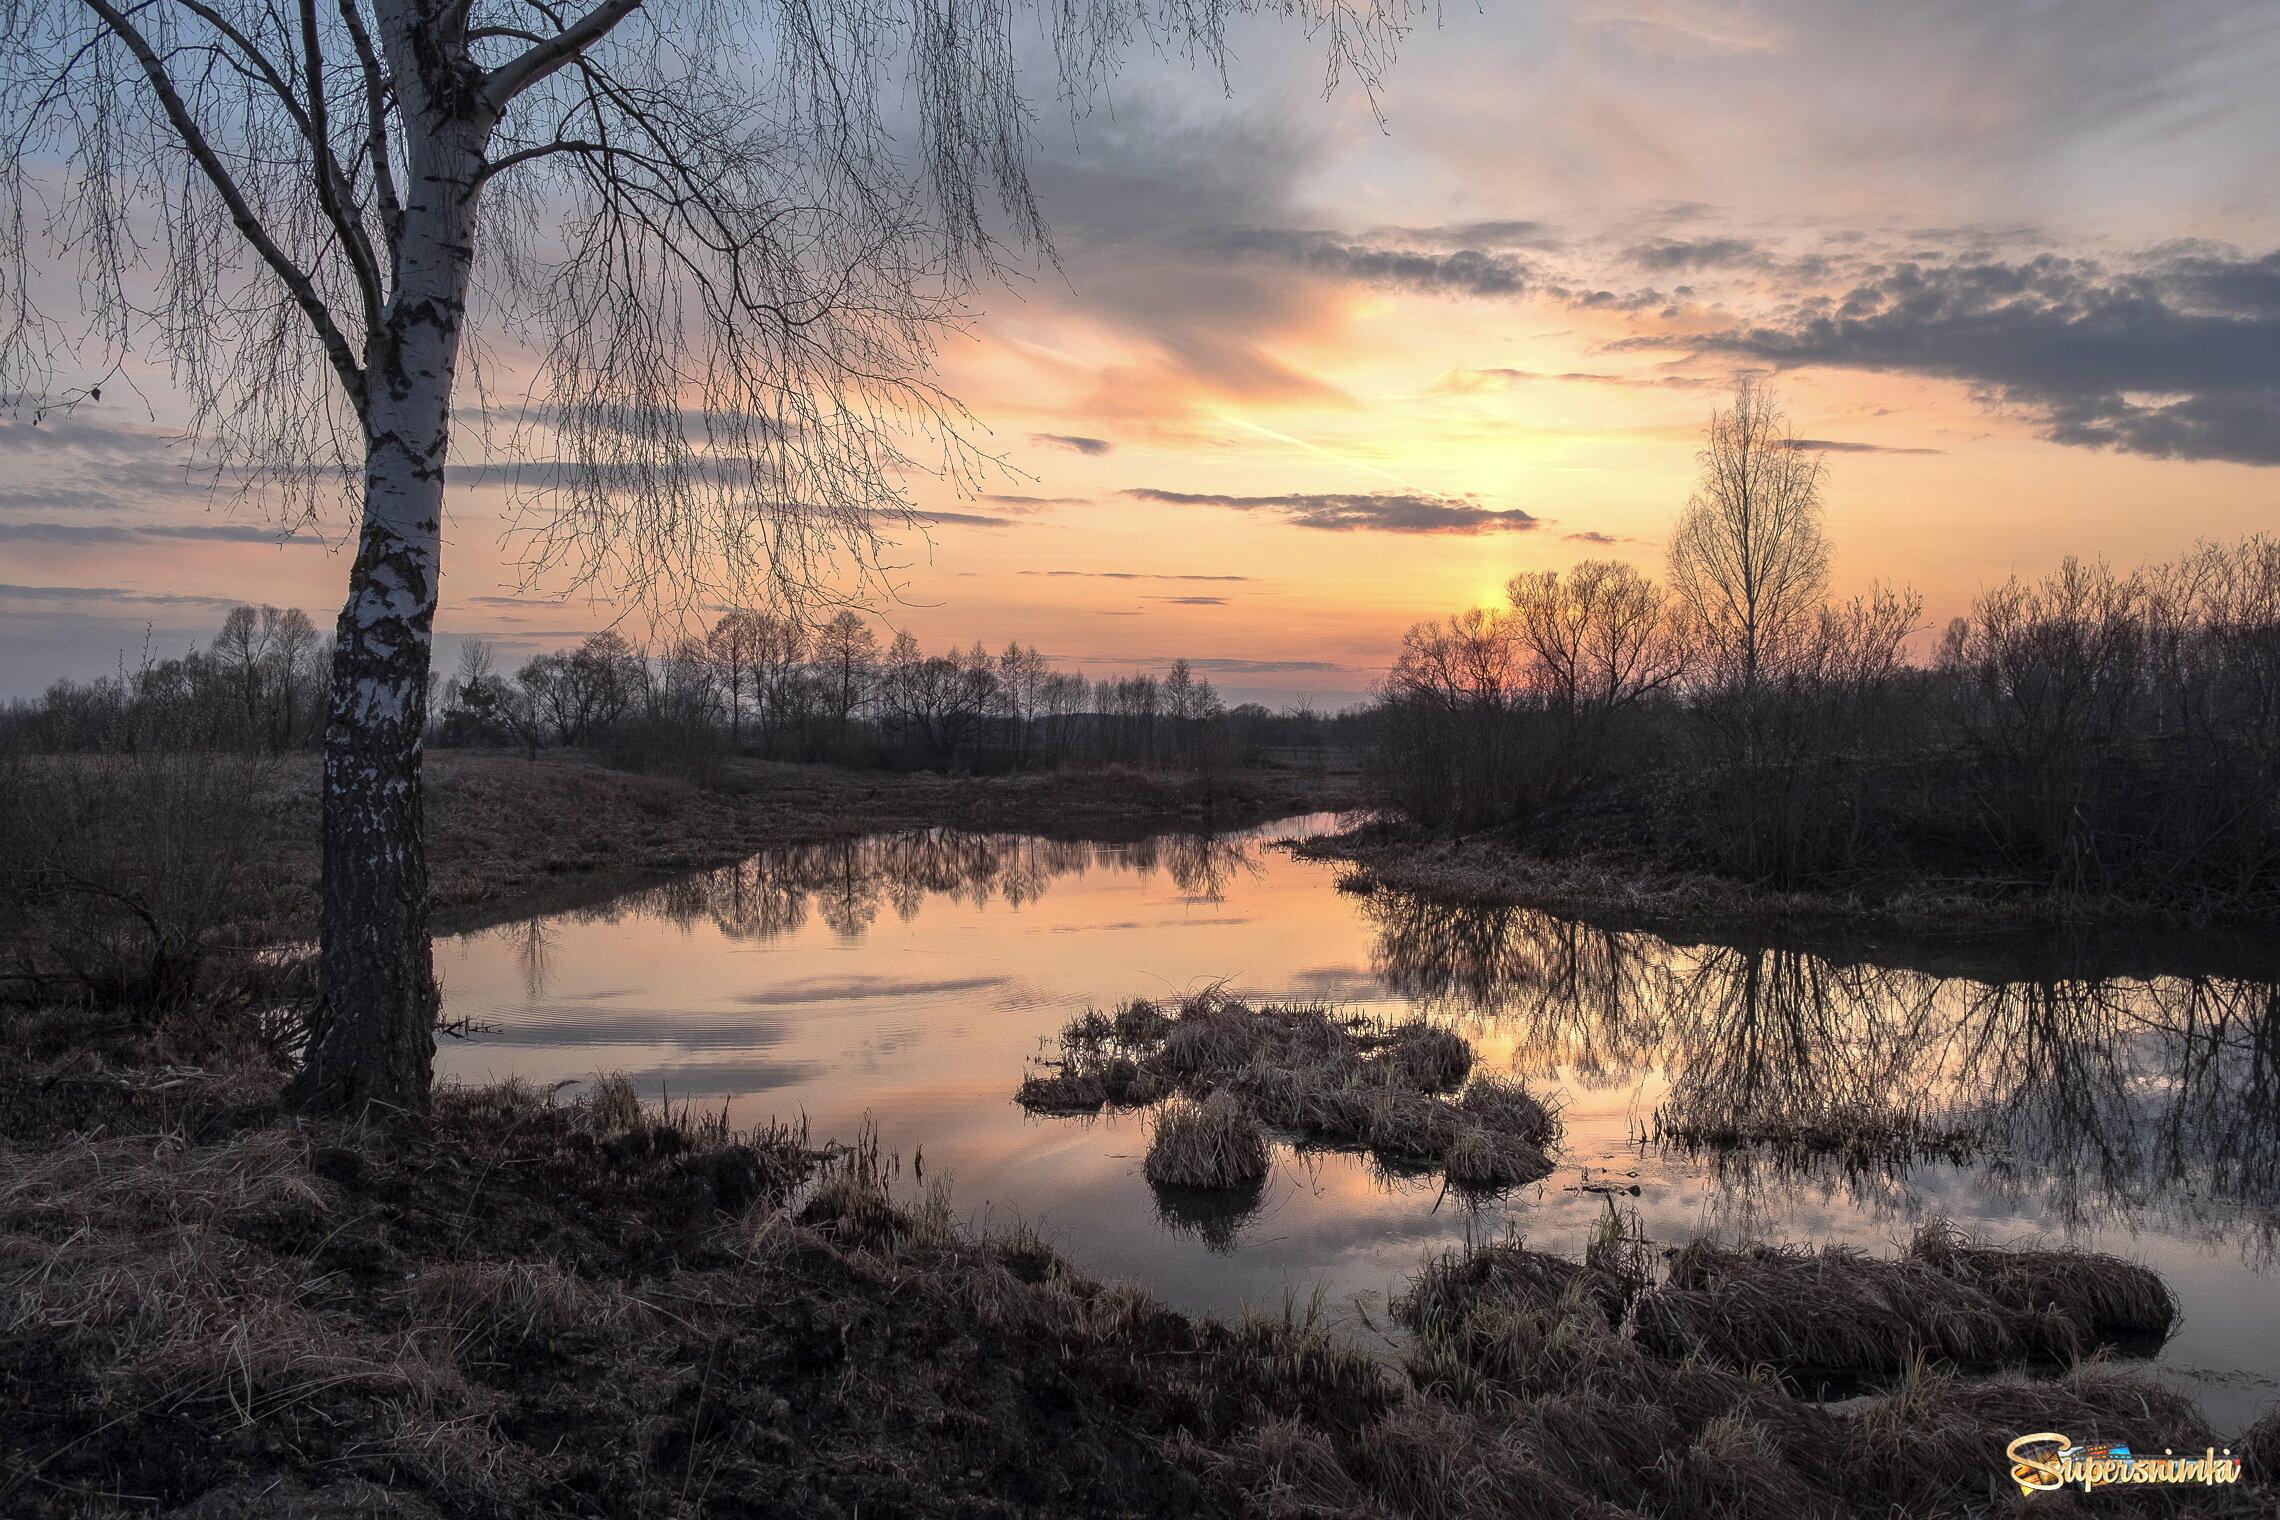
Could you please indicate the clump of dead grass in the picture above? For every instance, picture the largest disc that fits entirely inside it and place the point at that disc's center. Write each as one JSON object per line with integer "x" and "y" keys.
{"x": 503, "y": 1304}
{"x": 146, "y": 1180}
{"x": 1216, "y": 1143}
{"x": 1314, "y": 1075}
{"x": 2098, "y": 1295}
{"x": 1948, "y": 1300}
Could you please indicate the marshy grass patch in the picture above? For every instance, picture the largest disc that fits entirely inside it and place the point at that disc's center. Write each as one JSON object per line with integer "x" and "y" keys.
{"x": 1946, "y": 1300}
{"x": 1217, "y": 1143}
{"x": 1486, "y": 1158}
{"x": 1406, "y": 1092}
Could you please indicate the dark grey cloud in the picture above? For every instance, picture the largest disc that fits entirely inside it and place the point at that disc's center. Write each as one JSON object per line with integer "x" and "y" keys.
{"x": 1377, "y": 513}
{"x": 1132, "y": 575}
{"x": 92, "y": 533}
{"x": 1072, "y": 442}
{"x": 1841, "y": 446}
{"x": 1194, "y": 601}
{"x": 1466, "y": 271}
{"x": 85, "y": 463}
{"x": 1593, "y": 537}
{"x": 1670, "y": 255}
{"x": 1479, "y": 235}
{"x": 2174, "y": 355}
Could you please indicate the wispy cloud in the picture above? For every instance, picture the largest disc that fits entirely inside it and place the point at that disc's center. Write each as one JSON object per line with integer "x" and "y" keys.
{"x": 113, "y": 594}
{"x": 1465, "y": 271}
{"x": 92, "y": 533}
{"x": 1840, "y": 446}
{"x": 1471, "y": 381}
{"x": 1344, "y": 513}
{"x": 1259, "y": 667}
{"x": 1072, "y": 442}
{"x": 1132, "y": 575}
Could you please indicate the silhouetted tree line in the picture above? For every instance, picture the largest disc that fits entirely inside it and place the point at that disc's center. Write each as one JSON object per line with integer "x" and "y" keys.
{"x": 259, "y": 686}
{"x": 2094, "y": 731}
{"x": 755, "y": 684}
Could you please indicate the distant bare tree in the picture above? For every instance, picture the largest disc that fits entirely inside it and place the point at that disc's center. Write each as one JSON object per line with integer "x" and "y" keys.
{"x": 1603, "y": 639}
{"x": 1449, "y": 746}
{"x": 729, "y": 234}
{"x": 1748, "y": 554}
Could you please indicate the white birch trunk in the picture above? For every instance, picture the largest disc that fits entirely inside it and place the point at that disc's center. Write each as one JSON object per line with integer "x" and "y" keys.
{"x": 372, "y": 1043}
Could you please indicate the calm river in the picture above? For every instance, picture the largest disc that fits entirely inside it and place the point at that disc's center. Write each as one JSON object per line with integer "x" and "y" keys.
{"x": 906, "y": 981}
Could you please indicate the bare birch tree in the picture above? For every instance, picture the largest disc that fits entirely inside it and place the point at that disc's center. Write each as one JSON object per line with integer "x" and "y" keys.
{"x": 728, "y": 234}
{"x": 1748, "y": 554}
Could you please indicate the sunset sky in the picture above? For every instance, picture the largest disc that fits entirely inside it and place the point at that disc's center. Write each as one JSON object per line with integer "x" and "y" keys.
{"x": 1309, "y": 371}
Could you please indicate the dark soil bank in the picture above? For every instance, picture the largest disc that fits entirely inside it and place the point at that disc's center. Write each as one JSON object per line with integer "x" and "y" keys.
{"x": 1627, "y": 887}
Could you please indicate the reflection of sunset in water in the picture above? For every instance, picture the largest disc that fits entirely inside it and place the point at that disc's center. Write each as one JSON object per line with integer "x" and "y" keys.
{"x": 908, "y": 979}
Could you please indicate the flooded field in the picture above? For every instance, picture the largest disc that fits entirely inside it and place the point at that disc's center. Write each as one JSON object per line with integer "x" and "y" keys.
{"x": 907, "y": 981}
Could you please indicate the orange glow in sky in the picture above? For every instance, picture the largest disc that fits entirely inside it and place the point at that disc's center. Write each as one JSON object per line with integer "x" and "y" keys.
{"x": 1301, "y": 377}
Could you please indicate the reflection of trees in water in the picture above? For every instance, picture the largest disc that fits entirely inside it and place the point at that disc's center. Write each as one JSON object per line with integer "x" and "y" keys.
{"x": 2101, "y": 1099}
{"x": 847, "y": 883}
{"x": 1580, "y": 996}
{"x": 534, "y": 954}
{"x": 1217, "y": 1216}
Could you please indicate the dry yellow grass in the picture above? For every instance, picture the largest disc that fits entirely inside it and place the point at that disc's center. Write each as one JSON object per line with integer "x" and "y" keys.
{"x": 1212, "y": 1144}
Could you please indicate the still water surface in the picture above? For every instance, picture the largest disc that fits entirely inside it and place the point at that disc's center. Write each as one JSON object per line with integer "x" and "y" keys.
{"x": 907, "y": 980}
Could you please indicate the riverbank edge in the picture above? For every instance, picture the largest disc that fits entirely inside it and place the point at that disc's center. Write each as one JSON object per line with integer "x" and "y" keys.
{"x": 510, "y": 836}
{"x": 1623, "y": 889}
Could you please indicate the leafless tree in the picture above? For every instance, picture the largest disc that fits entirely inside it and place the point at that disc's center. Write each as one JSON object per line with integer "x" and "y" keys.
{"x": 729, "y": 234}
{"x": 1603, "y": 639}
{"x": 1748, "y": 555}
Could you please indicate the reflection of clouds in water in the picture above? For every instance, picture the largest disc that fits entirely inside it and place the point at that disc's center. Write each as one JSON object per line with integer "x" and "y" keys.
{"x": 716, "y": 1079}
{"x": 848, "y": 989}
{"x": 1335, "y": 984}
{"x": 2103, "y": 1099}
{"x": 675, "y": 1029}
